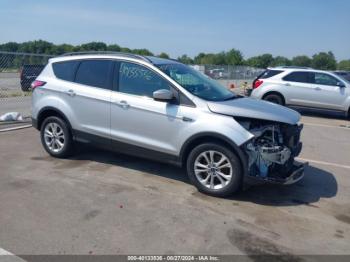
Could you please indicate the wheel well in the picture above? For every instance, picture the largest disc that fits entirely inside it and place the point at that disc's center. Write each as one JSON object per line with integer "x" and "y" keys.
{"x": 213, "y": 139}
{"x": 275, "y": 93}
{"x": 51, "y": 112}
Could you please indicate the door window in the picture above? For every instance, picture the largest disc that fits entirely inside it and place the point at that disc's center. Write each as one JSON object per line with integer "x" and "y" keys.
{"x": 138, "y": 80}
{"x": 300, "y": 77}
{"x": 94, "y": 73}
{"x": 324, "y": 79}
{"x": 65, "y": 70}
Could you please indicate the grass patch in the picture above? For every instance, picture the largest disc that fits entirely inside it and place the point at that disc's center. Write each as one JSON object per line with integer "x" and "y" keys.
{"x": 9, "y": 93}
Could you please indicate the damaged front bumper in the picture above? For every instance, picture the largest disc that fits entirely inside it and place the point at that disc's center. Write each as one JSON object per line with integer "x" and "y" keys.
{"x": 296, "y": 173}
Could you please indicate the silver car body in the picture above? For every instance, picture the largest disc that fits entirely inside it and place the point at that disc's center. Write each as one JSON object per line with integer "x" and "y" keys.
{"x": 303, "y": 94}
{"x": 143, "y": 122}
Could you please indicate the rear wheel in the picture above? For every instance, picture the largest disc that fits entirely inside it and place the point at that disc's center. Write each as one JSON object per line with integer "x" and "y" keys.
{"x": 56, "y": 137}
{"x": 274, "y": 98}
{"x": 214, "y": 169}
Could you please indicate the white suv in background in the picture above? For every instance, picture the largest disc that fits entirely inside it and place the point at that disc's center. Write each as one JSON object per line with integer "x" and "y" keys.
{"x": 303, "y": 87}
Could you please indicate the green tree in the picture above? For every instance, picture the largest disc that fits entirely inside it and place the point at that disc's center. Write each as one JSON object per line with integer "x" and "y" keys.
{"x": 324, "y": 61}
{"x": 163, "y": 55}
{"x": 234, "y": 57}
{"x": 38, "y": 46}
{"x": 301, "y": 60}
{"x": 142, "y": 52}
{"x": 281, "y": 61}
{"x": 114, "y": 48}
{"x": 185, "y": 59}
{"x": 344, "y": 65}
{"x": 10, "y": 47}
{"x": 125, "y": 49}
{"x": 93, "y": 46}
{"x": 262, "y": 61}
{"x": 211, "y": 59}
{"x": 61, "y": 49}
{"x": 198, "y": 58}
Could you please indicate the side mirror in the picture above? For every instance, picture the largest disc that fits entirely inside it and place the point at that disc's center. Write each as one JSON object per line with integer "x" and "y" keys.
{"x": 163, "y": 95}
{"x": 341, "y": 84}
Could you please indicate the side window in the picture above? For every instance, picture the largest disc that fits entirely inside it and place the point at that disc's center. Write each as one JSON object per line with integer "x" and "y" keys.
{"x": 94, "y": 73}
{"x": 65, "y": 70}
{"x": 138, "y": 80}
{"x": 300, "y": 77}
{"x": 324, "y": 79}
{"x": 270, "y": 73}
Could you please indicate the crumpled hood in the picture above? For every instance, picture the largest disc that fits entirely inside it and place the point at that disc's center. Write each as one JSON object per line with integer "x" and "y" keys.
{"x": 253, "y": 108}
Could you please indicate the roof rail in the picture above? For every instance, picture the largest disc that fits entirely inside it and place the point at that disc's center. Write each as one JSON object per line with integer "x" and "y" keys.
{"x": 295, "y": 67}
{"x": 108, "y": 53}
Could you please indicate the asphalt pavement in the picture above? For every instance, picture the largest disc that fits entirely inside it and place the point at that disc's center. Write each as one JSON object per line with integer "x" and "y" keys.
{"x": 99, "y": 202}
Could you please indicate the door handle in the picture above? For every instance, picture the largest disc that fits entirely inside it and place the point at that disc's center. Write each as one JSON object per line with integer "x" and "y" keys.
{"x": 318, "y": 88}
{"x": 70, "y": 92}
{"x": 123, "y": 104}
{"x": 287, "y": 84}
{"x": 187, "y": 119}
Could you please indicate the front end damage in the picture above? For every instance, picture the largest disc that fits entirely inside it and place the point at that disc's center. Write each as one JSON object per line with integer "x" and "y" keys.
{"x": 271, "y": 152}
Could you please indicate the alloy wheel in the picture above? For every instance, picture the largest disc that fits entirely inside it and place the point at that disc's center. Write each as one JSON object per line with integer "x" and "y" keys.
{"x": 213, "y": 169}
{"x": 54, "y": 137}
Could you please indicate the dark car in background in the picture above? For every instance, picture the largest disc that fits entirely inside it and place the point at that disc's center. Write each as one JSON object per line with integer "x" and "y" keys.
{"x": 343, "y": 74}
{"x": 28, "y": 74}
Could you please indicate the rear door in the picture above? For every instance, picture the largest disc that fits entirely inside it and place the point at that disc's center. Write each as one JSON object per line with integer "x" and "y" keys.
{"x": 87, "y": 94}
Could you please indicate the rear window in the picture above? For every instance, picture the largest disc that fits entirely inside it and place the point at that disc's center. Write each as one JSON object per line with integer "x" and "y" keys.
{"x": 270, "y": 73}
{"x": 65, "y": 70}
{"x": 94, "y": 73}
{"x": 301, "y": 77}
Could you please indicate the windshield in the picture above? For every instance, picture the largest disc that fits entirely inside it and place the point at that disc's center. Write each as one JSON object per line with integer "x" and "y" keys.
{"x": 197, "y": 83}
{"x": 343, "y": 78}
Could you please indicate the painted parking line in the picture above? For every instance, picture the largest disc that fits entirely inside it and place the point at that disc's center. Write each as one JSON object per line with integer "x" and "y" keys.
{"x": 14, "y": 128}
{"x": 7, "y": 256}
{"x": 322, "y": 163}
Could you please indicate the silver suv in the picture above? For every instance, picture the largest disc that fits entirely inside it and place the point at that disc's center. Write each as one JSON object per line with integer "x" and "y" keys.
{"x": 303, "y": 87}
{"x": 164, "y": 110}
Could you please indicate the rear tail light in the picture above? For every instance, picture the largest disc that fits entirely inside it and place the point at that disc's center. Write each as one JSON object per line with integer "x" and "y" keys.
{"x": 257, "y": 83}
{"x": 37, "y": 83}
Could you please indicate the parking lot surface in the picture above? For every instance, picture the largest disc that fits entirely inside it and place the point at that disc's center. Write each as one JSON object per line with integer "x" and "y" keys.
{"x": 99, "y": 202}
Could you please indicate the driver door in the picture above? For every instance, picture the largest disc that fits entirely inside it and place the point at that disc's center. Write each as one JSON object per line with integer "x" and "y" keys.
{"x": 136, "y": 118}
{"x": 327, "y": 92}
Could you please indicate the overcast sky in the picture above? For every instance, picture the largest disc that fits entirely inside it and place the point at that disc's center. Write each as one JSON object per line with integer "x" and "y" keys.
{"x": 288, "y": 27}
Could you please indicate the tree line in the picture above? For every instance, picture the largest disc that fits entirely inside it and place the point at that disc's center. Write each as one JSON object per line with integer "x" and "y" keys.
{"x": 321, "y": 60}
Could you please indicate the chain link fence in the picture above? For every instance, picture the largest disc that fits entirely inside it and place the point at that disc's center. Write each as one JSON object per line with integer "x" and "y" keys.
{"x": 19, "y": 70}
{"x": 236, "y": 78}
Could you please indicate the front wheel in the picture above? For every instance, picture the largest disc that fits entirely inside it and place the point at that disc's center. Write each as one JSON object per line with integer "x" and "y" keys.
{"x": 214, "y": 169}
{"x": 56, "y": 137}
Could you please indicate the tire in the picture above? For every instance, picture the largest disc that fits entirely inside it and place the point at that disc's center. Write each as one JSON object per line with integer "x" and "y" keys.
{"x": 24, "y": 88}
{"x": 274, "y": 98}
{"x": 232, "y": 183}
{"x": 57, "y": 130}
